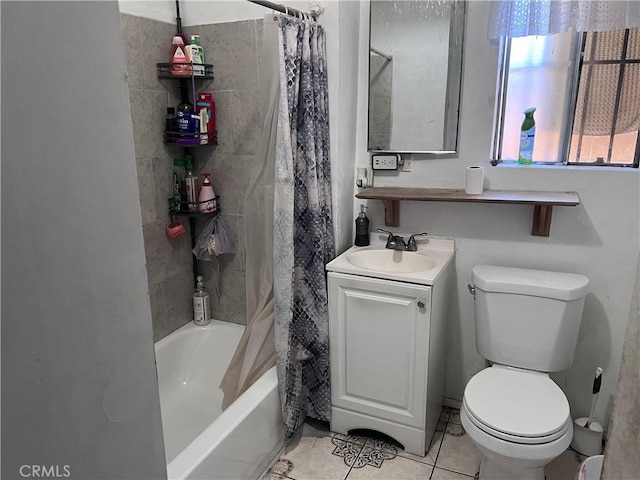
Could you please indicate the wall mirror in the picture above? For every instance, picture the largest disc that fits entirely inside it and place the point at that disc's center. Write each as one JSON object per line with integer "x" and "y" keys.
{"x": 415, "y": 72}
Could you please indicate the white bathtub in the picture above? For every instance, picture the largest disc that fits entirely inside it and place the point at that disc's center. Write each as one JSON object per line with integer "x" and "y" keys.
{"x": 201, "y": 441}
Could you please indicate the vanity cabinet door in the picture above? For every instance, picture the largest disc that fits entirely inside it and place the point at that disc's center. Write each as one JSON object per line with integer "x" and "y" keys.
{"x": 379, "y": 336}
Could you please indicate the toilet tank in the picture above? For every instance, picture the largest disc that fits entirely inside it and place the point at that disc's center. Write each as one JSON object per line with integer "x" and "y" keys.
{"x": 528, "y": 318}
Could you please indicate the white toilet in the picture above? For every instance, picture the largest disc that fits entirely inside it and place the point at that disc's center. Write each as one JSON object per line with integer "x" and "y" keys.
{"x": 527, "y": 324}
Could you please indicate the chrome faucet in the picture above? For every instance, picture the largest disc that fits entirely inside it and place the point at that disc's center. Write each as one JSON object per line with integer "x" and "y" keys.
{"x": 396, "y": 242}
{"x": 411, "y": 244}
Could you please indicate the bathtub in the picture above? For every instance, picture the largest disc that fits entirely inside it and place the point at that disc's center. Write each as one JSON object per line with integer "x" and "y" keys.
{"x": 201, "y": 441}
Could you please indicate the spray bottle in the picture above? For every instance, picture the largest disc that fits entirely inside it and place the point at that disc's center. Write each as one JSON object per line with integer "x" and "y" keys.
{"x": 527, "y": 136}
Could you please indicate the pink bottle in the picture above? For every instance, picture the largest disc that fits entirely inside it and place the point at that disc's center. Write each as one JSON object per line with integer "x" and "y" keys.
{"x": 179, "y": 57}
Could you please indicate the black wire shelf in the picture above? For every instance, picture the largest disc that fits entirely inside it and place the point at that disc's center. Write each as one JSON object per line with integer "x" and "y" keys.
{"x": 192, "y": 209}
{"x": 173, "y": 71}
{"x": 190, "y": 139}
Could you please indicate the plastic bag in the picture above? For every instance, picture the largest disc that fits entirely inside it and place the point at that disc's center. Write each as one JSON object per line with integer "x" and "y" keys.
{"x": 215, "y": 239}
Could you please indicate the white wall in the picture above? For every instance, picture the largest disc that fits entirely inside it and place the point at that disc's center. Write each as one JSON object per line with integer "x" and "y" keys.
{"x": 79, "y": 385}
{"x": 599, "y": 238}
{"x": 161, "y": 10}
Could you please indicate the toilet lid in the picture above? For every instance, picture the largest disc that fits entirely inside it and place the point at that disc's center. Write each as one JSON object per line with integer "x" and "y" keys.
{"x": 517, "y": 402}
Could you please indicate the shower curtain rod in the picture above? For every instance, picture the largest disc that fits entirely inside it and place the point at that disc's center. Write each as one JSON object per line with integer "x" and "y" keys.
{"x": 378, "y": 52}
{"x": 283, "y": 9}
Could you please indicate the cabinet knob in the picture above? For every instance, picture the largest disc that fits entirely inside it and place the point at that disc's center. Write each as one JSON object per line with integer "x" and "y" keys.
{"x": 420, "y": 304}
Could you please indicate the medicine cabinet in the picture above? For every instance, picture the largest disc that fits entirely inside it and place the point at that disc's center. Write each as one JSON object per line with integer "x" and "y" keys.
{"x": 415, "y": 73}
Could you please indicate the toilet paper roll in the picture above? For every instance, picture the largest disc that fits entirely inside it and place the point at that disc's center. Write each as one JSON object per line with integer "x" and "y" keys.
{"x": 475, "y": 179}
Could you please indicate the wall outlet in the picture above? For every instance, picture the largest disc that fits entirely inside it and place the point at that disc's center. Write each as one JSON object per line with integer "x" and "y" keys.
{"x": 384, "y": 161}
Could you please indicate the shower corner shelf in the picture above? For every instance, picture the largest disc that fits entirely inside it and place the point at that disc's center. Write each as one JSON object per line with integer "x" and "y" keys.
{"x": 543, "y": 202}
{"x": 165, "y": 72}
{"x": 190, "y": 139}
{"x": 187, "y": 86}
{"x": 181, "y": 209}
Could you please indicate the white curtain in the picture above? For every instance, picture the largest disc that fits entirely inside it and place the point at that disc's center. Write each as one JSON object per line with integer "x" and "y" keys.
{"x": 519, "y": 18}
{"x": 256, "y": 352}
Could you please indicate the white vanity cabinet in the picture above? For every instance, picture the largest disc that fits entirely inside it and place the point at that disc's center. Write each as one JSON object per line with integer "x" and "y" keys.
{"x": 387, "y": 345}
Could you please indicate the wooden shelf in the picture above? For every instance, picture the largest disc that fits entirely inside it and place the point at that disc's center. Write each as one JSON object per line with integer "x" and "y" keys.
{"x": 543, "y": 202}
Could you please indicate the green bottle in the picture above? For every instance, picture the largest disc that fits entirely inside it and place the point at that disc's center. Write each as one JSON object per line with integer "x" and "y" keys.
{"x": 527, "y": 136}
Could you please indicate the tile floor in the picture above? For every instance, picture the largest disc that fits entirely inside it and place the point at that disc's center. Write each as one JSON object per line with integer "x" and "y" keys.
{"x": 321, "y": 454}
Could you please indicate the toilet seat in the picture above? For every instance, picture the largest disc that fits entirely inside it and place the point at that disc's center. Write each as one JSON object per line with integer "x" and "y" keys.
{"x": 516, "y": 405}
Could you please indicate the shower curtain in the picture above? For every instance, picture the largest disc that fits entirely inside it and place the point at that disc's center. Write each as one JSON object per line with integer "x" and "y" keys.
{"x": 288, "y": 220}
{"x": 256, "y": 351}
{"x": 303, "y": 228}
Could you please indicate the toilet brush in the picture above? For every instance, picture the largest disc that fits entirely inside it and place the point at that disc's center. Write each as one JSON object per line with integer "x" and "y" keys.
{"x": 587, "y": 433}
{"x": 597, "y": 382}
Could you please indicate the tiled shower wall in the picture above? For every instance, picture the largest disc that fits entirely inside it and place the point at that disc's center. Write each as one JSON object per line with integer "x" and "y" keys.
{"x": 232, "y": 48}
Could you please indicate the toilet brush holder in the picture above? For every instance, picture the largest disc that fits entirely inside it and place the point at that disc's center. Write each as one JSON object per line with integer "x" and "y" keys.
{"x": 587, "y": 439}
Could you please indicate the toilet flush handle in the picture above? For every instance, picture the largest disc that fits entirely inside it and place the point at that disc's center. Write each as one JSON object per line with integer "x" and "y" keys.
{"x": 472, "y": 290}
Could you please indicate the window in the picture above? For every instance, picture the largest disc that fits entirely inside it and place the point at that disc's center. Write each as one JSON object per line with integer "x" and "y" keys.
{"x": 586, "y": 91}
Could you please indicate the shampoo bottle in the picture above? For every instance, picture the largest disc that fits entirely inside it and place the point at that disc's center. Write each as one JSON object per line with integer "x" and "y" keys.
{"x": 206, "y": 199}
{"x": 201, "y": 305}
{"x": 362, "y": 229}
{"x": 186, "y": 126}
{"x": 191, "y": 185}
{"x": 527, "y": 136}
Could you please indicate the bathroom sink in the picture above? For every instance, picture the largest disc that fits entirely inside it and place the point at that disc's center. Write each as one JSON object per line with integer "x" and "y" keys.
{"x": 393, "y": 261}
{"x": 375, "y": 261}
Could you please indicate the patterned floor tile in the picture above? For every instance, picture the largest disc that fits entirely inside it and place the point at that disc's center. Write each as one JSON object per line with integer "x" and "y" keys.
{"x": 381, "y": 445}
{"x": 397, "y": 468}
{"x": 357, "y": 439}
{"x": 312, "y": 458}
{"x": 346, "y": 449}
{"x": 354, "y": 457}
{"x": 375, "y": 456}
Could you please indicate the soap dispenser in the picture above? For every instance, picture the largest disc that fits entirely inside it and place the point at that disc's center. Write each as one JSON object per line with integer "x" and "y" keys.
{"x": 201, "y": 305}
{"x": 362, "y": 229}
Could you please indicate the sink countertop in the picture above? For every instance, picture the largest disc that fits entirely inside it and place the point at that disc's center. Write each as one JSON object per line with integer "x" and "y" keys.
{"x": 441, "y": 250}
